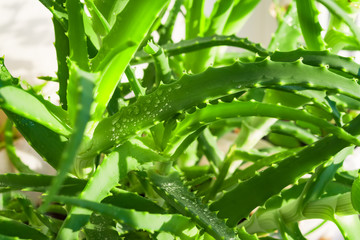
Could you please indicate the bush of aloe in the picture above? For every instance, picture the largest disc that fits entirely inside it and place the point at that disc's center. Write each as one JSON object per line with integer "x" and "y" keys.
{"x": 139, "y": 159}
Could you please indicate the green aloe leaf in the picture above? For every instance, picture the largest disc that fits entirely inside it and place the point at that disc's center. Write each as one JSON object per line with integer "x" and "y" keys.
{"x": 335, "y": 9}
{"x": 83, "y": 92}
{"x": 173, "y": 223}
{"x": 309, "y": 23}
{"x": 355, "y": 194}
{"x": 115, "y": 167}
{"x": 38, "y": 183}
{"x": 192, "y": 90}
{"x": 119, "y": 46}
{"x": 11, "y": 151}
{"x": 234, "y": 109}
{"x": 172, "y": 189}
{"x": 24, "y": 104}
{"x": 13, "y": 228}
{"x": 198, "y": 43}
{"x": 284, "y": 173}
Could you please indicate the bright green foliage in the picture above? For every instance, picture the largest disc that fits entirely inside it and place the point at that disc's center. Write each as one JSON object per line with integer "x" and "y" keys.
{"x": 140, "y": 159}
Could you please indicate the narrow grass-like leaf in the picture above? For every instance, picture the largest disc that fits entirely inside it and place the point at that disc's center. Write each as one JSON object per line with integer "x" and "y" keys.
{"x": 172, "y": 223}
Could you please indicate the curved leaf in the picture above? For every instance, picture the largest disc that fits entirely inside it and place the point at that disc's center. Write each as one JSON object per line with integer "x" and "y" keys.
{"x": 172, "y": 223}
{"x": 192, "y": 90}
{"x": 177, "y": 195}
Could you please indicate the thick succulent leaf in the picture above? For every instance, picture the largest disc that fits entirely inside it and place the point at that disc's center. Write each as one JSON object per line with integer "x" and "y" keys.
{"x": 337, "y": 41}
{"x": 166, "y": 30}
{"x": 103, "y": 227}
{"x": 316, "y": 58}
{"x": 348, "y": 226}
{"x": 254, "y": 169}
{"x": 192, "y": 90}
{"x": 83, "y": 93}
{"x": 212, "y": 113}
{"x": 161, "y": 62}
{"x": 210, "y": 148}
{"x": 288, "y": 32}
{"x": 4, "y": 237}
{"x": 284, "y": 173}
{"x": 173, "y": 223}
{"x": 57, "y": 10}
{"x": 194, "y": 19}
{"x": 355, "y": 194}
{"x": 13, "y": 228}
{"x": 125, "y": 199}
{"x": 239, "y": 14}
{"x": 35, "y": 218}
{"x": 24, "y": 104}
{"x": 62, "y": 53}
{"x": 35, "y": 133}
{"x": 289, "y": 128}
{"x": 99, "y": 23}
{"x": 110, "y": 9}
{"x": 38, "y": 183}
{"x": 198, "y": 43}
{"x": 120, "y": 45}
{"x": 174, "y": 192}
{"x": 11, "y": 151}
{"x": 5, "y": 77}
{"x": 335, "y": 9}
{"x": 309, "y": 23}
{"x": 113, "y": 169}
{"x": 316, "y": 186}
{"x": 285, "y": 206}
{"x": 200, "y": 60}
{"x": 77, "y": 37}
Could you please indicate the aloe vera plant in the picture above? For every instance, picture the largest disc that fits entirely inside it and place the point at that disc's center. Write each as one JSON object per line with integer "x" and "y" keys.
{"x": 139, "y": 158}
